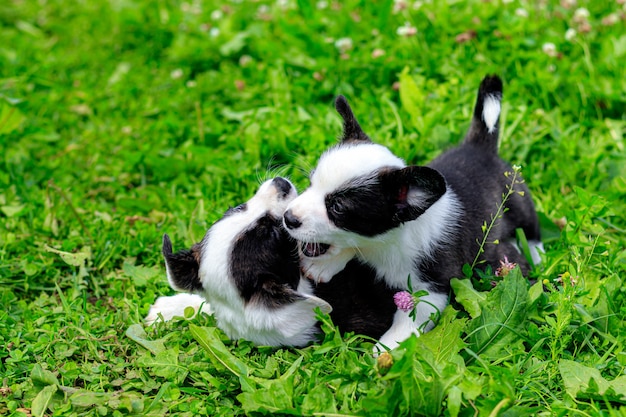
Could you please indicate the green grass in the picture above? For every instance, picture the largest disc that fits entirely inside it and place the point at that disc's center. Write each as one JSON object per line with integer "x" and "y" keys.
{"x": 122, "y": 120}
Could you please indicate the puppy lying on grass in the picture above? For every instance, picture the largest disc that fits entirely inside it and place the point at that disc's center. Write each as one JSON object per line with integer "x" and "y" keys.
{"x": 422, "y": 222}
{"x": 246, "y": 272}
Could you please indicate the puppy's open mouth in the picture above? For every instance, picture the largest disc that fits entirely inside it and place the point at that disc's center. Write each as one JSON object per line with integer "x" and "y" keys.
{"x": 312, "y": 250}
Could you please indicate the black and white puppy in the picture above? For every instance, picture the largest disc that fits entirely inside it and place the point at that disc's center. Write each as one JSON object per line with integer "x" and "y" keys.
{"x": 422, "y": 222}
{"x": 246, "y": 272}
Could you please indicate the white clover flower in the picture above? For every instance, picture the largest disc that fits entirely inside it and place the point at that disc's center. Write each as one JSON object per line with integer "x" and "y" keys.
{"x": 283, "y": 4}
{"x": 176, "y": 74}
{"x": 549, "y": 49}
{"x": 406, "y": 30}
{"x": 217, "y": 14}
{"x": 581, "y": 15}
{"x": 399, "y": 5}
{"x": 610, "y": 20}
{"x": 244, "y": 60}
{"x": 569, "y": 4}
{"x": 322, "y": 4}
{"x": 191, "y": 84}
{"x": 570, "y": 34}
{"x": 521, "y": 12}
{"x": 214, "y": 32}
{"x": 196, "y": 9}
{"x": 377, "y": 53}
{"x": 343, "y": 44}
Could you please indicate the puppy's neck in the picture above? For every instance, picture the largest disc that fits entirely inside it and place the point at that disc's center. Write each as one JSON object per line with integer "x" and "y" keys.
{"x": 394, "y": 253}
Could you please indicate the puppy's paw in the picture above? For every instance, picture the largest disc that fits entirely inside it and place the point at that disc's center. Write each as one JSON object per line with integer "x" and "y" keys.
{"x": 403, "y": 326}
{"x": 168, "y": 307}
{"x": 389, "y": 341}
{"x": 324, "y": 268}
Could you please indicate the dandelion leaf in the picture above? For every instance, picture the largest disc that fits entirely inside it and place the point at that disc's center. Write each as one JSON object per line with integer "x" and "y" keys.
{"x": 84, "y": 398}
{"x": 273, "y": 395}
{"x": 424, "y": 374}
{"x": 70, "y": 258}
{"x": 412, "y": 98}
{"x": 42, "y": 377}
{"x": 502, "y": 314}
{"x": 141, "y": 275}
{"x": 319, "y": 400}
{"x": 444, "y": 341}
{"x": 10, "y": 118}
{"x": 137, "y": 334}
{"x": 467, "y": 296}
{"x": 43, "y": 401}
{"x": 586, "y": 382}
{"x": 209, "y": 339}
{"x": 164, "y": 364}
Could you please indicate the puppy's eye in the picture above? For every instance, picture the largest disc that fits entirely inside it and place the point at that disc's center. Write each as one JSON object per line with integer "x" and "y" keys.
{"x": 337, "y": 207}
{"x": 275, "y": 233}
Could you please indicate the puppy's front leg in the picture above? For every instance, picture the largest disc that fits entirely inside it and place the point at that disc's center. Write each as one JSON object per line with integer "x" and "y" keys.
{"x": 403, "y": 326}
{"x": 426, "y": 310}
{"x": 323, "y": 268}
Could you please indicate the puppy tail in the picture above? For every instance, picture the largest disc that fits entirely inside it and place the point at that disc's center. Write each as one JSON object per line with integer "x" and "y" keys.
{"x": 182, "y": 267}
{"x": 485, "y": 128}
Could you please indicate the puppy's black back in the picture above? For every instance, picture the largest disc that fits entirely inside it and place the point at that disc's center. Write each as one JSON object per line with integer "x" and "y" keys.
{"x": 476, "y": 174}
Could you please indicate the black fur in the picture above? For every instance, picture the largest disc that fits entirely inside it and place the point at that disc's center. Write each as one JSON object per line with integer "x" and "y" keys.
{"x": 183, "y": 265}
{"x": 283, "y": 186}
{"x": 380, "y": 203}
{"x": 361, "y": 303}
{"x": 352, "y": 131}
{"x": 264, "y": 263}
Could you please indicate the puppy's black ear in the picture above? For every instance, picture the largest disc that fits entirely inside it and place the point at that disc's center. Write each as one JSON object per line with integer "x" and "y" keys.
{"x": 274, "y": 294}
{"x": 352, "y": 131}
{"x": 485, "y": 127}
{"x": 412, "y": 190}
{"x": 182, "y": 267}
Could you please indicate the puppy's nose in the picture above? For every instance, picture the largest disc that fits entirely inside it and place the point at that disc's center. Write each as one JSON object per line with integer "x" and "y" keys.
{"x": 291, "y": 221}
{"x": 282, "y": 185}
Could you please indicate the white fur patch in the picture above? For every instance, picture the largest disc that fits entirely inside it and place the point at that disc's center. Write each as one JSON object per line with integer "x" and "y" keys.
{"x": 291, "y": 325}
{"x": 536, "y": 246}
{"x": 343, "y": 163}
{"x": 168, "y": 307}
{"x": 491, "y": 111}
